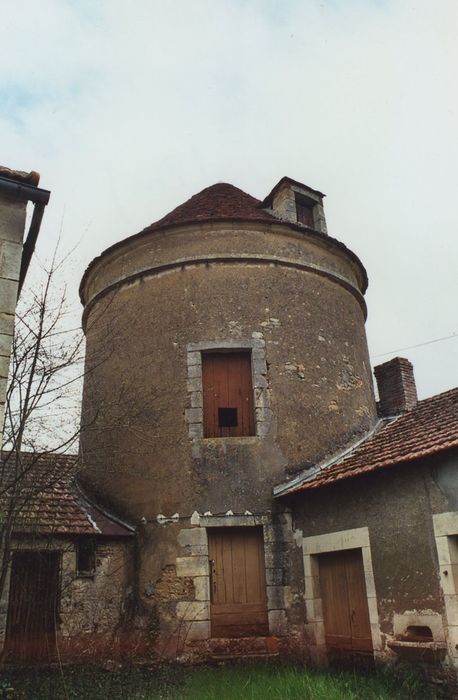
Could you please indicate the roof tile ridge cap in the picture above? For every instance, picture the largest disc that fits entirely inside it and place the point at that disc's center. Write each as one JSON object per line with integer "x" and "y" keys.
{"x": 436, "y": 397}
{"x": 85, "y": 501}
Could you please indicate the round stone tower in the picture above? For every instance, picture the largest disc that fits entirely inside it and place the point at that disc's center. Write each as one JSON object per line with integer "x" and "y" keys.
{"x": 226, "y": 351}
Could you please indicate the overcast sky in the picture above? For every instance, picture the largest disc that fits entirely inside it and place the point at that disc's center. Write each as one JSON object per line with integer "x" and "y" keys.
{"x": 127, "y": 108}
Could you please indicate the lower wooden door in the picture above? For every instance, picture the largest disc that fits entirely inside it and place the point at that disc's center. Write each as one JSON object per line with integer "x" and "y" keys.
{"x": 32, "y": 607}
{"x": 238, "y": 585}
{"x": 345, "y": 608}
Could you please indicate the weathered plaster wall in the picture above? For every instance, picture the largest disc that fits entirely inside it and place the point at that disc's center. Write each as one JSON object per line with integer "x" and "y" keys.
{"x": 12, "y": 223}
{"x": 135, "y": 401}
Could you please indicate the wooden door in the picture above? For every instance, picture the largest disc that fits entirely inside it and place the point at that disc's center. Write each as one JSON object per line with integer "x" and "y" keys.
{"x": 345, "y": 608}
{"x": 32, "y": 608}
{"x": 227, "y": 394}
{"x": 238, "y": 585}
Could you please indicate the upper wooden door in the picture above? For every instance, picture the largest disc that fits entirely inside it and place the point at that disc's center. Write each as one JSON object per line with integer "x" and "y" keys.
{"x": 345, "y": 608}
{"x": 32, "y": 607}
{"x": 238, "y": 585}
{"x": 227, "y": 394}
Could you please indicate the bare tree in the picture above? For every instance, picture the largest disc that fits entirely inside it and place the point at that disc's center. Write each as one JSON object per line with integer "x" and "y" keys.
{"x": 42, "y": 414}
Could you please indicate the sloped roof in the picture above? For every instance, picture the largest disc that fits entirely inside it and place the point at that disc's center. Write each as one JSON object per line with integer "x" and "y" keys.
{"x": 49, "y": 500}
{"x": 429, "y": 428}
{"x": 217, "y": 202}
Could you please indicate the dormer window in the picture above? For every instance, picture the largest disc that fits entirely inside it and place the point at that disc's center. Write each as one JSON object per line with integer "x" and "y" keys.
{"x": 304, "y": 210}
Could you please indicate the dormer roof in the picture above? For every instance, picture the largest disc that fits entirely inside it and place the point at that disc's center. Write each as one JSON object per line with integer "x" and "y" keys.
{"x": 267, "y": 201}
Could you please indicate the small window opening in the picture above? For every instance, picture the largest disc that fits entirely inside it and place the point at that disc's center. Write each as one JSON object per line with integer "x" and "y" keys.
{"x": 85, "y": 557}
{"x": 304, "y": 211}
{"x": 227, "y": 417}
{"x": 419, "y": 632}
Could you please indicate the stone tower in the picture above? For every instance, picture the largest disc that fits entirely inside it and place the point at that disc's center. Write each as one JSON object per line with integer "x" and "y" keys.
{"x": 226, "y": 351}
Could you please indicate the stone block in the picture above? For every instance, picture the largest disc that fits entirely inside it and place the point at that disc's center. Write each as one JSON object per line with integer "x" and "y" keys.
{"x": 194, "y": 384}
{"x": 4, "y": 366}
{"x": 192, "y": 566}
{"x": 198, "y": 630}
{"x": 277, "y": 533}
{"x": 336, "y": 541}
{"x": 193, "y": 358}
{"x": 10, "y": 259}
{"x": 448, "y": 579}
{"x": 373, "y": 610}
{"x": 5, "y": 345}
{"x": 202, "y": 587}
{"x": 12, "y": 220}
{"x": 376, "y": 636}
{"x": 312, "y": 587}
{"x": 275, "y": 559}
{"x": 259, "y": 367}
{"x": 194, "y": 415}
{"x": 196, "y": 430}
{"x": 6, "y": 323}
{"x": 274, "y": 577}
{"x": 192, "y": 536}
{"x": 198, "y": 610}
{"x": 260, "y": 382}
{"x": 276, "y": 598}
{"x": 197, "y": 400}
{"x": 8, "y": 295}
{"x": 451, "y": 609}
{"x": 446, "y": 523}
{"x": 278, "y": 624}
{"x": 314, "y": 609}
{"x": 195, "y": 371}
{"x": 259, "y": 353}
{"x": 197, "y": 550}
{"x": 443, "y": 550}
{"x": 262, "y": 428}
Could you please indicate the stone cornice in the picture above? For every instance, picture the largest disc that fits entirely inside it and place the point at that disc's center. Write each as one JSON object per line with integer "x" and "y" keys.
{"x": 249, "y": 259}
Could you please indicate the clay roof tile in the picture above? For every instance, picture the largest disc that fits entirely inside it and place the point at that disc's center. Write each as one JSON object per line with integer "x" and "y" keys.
{"x": 429, "y": 428}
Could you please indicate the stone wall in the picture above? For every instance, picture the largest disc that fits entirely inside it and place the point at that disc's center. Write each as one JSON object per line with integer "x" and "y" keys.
{"x": 405, "y": 586}
{"x": 12, "y": 223}
{"x": 95, "y": 612}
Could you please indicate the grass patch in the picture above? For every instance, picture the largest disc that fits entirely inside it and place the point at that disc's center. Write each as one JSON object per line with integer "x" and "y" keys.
{"x": 222, "y": 683}
{"x": 286, "y": 683}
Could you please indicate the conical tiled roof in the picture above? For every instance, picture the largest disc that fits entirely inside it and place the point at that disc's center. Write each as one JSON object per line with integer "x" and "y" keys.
{"x": 215, "y": 203}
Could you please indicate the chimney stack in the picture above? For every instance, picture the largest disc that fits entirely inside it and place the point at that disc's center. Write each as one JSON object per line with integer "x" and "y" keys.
{"x": 396, "y": 386}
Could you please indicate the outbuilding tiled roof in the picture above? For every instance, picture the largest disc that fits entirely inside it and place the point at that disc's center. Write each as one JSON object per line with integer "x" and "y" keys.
{"x": 48, "y": 500}
{"x": 429, "y": 428}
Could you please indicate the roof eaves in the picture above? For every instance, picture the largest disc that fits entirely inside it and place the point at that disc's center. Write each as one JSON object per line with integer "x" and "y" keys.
{"x": 310, "y": 474}
{"x": 419, "y": 454}
{"x": 84, "y": 503}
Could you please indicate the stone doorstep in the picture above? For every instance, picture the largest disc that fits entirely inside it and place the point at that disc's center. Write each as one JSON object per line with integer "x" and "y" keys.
{"x": 249, "y": 656}
{"x": 243, "y": 646}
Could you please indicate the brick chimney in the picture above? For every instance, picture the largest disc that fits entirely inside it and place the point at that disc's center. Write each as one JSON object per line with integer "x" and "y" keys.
{"x": 396, "y": 386}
